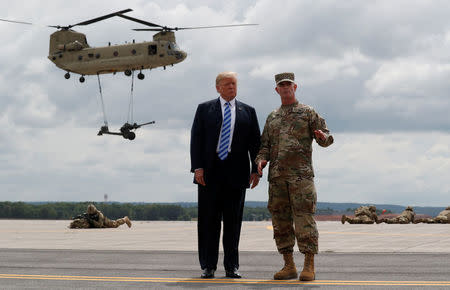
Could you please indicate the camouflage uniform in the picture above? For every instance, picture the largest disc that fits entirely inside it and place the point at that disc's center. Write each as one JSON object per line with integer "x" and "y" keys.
{"x": 95, "y": 219}
{"x": 79, "y": 223}
{"x": 406, "y": 217}
{"x": 286, "y": 143}
{"x": 363, "y": 215}
{"x": 442, "y": 218}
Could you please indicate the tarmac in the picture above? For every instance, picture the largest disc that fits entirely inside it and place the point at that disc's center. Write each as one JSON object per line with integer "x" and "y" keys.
{"x": 46, "y": 254}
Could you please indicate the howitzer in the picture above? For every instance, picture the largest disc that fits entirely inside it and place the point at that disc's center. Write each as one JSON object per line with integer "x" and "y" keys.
{"x": 125, "y": 130}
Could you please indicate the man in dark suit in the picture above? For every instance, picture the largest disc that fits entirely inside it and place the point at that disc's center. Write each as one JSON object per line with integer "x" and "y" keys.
{"x": 225, "y": 139}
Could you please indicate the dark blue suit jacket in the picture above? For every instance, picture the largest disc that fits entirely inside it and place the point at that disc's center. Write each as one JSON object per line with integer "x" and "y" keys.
{"x": 244, "y": 146}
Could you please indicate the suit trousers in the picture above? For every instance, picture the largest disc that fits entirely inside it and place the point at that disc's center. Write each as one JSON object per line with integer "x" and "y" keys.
{"x": 217, "y": 201}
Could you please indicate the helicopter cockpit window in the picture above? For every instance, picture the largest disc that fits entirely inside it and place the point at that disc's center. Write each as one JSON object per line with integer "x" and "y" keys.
{"x": 152, "y": 49}
{"x": 172, "y": 48}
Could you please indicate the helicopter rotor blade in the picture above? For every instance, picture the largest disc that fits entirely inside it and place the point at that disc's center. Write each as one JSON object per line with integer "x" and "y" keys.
{"x": 13, "y": 21}
{"x": 185, "y": 28}
{"x": 140, "y": 21}
{"x": 148, "y": 29}
{"x": 87, "y": 22}
{"x": 214, "y": 26}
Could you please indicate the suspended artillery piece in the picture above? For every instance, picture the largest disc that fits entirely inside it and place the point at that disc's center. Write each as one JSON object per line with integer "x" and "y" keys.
{"x": 70, "y": 51}
{"x": 125, "y": 130}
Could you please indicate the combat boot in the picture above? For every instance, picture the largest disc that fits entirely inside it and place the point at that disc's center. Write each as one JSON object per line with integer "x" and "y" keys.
{"x": 343, "y": 219}
{"x": 308, "y": 273}
{"x": 127, "y": 221}
{"x": 289, "y": 271}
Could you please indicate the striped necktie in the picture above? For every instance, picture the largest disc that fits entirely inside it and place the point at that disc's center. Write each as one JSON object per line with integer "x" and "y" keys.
{"x": 225, "y": 133}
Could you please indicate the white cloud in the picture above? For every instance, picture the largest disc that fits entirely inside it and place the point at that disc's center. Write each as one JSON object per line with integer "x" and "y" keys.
{"x": 366, "y": 66}
{"x": 410, "y": 77}
{"x": 310, "y": 69}
{"x": 399, "y": 168}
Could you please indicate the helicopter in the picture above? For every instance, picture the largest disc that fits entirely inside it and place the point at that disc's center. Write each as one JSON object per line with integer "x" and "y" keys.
{"x": 70, "y": 51}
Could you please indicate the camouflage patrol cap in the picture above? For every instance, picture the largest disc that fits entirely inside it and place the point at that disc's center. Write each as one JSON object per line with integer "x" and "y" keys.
{"x": 409, "y": 208}
{"x": 91, "y": 209}
{"x": 285, "y": 77}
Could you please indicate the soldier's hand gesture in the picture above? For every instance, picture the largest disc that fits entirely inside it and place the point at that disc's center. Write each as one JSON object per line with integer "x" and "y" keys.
{"x": 320, "y": 135}
{"x": 261, "y": 165}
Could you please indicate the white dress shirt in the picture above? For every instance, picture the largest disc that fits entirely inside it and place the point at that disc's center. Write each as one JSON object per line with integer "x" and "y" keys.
{"x": 233, "y": 118}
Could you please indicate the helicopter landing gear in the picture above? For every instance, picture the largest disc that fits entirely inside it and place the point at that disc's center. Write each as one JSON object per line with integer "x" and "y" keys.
{"x": 67, "y": 75}
{"x": 128, "y": 72}
{"x": 141, "y": 76}
{"x": 82, "y": 79}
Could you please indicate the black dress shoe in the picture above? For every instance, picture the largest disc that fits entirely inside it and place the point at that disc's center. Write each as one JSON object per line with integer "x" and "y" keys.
{"x": 207, "y": 273}
{"x": 233, "y": 274}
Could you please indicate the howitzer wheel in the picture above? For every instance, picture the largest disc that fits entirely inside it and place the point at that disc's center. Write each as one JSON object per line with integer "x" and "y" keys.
{"x": 131, "y": 136}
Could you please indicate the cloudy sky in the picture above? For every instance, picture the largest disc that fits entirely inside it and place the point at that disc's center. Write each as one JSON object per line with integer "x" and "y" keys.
{"x": 377, "y": 71}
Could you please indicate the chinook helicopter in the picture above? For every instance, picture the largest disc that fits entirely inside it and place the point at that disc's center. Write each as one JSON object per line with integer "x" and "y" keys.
{"x": 69, "y": 50}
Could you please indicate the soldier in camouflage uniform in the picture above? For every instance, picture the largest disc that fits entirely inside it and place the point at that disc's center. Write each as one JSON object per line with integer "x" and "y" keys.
{"x": 406, "y": 217}
{"x": 363, "y": 215}
{"x": 95, "y": 219}
{"x": 442, "y": 218}
{"x": 286, "y": 143}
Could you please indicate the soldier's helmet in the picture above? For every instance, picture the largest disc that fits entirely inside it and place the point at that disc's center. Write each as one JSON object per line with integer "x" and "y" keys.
{"x": 409, "y": 208}
{"x": 91, "y": 209}
{"x": 372, "y": 208}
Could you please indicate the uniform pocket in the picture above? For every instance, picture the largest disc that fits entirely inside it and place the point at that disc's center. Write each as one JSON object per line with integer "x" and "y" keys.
{"x": 303, "y": 196}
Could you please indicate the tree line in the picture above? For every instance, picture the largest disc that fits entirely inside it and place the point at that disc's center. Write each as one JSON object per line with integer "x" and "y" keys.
{"x": 136, "y": 211}
{"x": 114, "y": 210}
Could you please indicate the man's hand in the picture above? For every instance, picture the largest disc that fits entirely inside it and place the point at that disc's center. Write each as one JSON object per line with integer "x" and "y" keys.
{"x": 199, "y": 176}
{"x": 320, "y": 135}
{"x": 254, "y": 180}
{"x": 261, "y": 166}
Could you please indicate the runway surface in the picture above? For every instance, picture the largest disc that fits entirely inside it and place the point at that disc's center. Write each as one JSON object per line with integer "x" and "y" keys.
{"x": 162, "y": 255}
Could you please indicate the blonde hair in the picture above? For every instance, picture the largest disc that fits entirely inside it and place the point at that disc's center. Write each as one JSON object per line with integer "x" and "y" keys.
{"x": 225, "y": 74}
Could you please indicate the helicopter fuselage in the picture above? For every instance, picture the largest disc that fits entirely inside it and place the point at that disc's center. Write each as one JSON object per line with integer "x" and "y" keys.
{"x": 69, "y": 51}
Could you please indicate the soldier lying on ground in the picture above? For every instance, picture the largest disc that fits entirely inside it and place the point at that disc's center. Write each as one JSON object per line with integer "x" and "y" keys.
{"x": 95, "y": 219}
{"x": 363, "y": 215}
{"x": 406, "y": 217}
{"x": 442, "y": 218}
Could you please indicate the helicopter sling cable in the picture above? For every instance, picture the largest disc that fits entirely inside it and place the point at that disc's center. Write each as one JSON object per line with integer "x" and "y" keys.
{"x": 125, "y": 130}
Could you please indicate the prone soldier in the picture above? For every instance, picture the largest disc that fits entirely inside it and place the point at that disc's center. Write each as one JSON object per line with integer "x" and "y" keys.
{"x": 363, "y": 215}
{"x": 406, "y": 217}
{"x": 96, "y": 219}
{"x": 442, "y": 218}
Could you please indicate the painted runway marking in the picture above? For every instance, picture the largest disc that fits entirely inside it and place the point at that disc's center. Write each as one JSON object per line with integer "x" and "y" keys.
{"x": 386, "y": 234}
{"x": 223, "y": 281}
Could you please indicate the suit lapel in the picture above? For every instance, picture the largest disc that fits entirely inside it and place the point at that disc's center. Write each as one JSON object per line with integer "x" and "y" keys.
{"x": 216, "y": 115}
{"x": 237, "y": 122}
